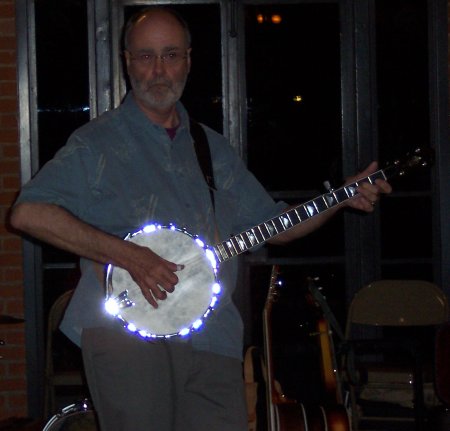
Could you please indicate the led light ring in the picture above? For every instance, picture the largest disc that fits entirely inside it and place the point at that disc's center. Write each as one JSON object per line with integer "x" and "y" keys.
{"x": 203, "y": 266}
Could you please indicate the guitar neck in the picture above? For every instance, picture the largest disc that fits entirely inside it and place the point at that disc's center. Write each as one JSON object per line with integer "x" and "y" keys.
{"x": 267, "y": 332}
{"x": 263, "y": 232}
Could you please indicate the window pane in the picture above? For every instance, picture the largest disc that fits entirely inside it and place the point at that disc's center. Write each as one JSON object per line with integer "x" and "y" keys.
{"x": 406, "y": 227}
{"x": 293, "y": 94}
{"x": 402, "y": 72}
{"x": 62, "y": 72}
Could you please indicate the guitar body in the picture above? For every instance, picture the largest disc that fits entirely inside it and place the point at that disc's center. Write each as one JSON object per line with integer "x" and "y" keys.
{"x": 301, "y": 417}
{"x": 311, "y": 413}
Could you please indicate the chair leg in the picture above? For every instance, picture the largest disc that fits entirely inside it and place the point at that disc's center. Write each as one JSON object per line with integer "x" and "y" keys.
{"x": 49, "y": 403}
{"x": 419, "y": 402}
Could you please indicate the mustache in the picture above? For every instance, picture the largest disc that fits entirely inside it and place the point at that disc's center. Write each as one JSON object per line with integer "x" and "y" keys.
{"x": 158, "y": 82}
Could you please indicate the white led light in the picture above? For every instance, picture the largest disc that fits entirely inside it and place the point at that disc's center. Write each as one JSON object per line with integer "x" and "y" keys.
{"x": 213, "y": 301}
{"x": 184, "y": 332}
{"x": 210, "y": 255}
{"x": 216, "y": 288}
{"x": 199, "y": 242}
{"x": 197, "y": 323}
{"x": 131, "y": 327}
{"x": 149, "y": 228}
{"x": 112, "y": 307}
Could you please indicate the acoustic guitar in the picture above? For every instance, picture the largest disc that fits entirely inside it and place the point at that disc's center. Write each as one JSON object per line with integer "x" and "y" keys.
{"x": 284, "y": 413}
{"x": 328, "y": 364}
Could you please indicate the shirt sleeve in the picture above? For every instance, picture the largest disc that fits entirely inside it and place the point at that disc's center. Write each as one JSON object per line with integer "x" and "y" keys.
{"x": 64, "y": 180}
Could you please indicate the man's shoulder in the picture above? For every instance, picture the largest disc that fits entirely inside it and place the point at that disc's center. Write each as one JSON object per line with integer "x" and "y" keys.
{"x": 109, "y": 127}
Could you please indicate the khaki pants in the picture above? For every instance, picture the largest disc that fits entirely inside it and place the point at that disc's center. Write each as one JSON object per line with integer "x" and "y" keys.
{"x": 137, "y": 385}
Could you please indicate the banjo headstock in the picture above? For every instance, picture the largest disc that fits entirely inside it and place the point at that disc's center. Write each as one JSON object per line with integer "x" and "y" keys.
{"x": 419, "y": 158}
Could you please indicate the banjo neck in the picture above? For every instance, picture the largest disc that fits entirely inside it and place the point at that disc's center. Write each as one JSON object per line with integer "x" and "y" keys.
{"x": 263, "y": 232}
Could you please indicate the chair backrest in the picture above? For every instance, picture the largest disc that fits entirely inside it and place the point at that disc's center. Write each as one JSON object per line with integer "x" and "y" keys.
{"x": 398, "y": 303}
{"x": 57, "y": 310}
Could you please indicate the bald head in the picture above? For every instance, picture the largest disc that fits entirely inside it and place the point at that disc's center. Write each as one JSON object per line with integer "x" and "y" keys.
{"x": 157, "y": 54}
{"x": 154, "y": 14}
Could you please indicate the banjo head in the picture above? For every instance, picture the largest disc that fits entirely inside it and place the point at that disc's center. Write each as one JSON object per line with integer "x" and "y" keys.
{"x": 185, "y": 309}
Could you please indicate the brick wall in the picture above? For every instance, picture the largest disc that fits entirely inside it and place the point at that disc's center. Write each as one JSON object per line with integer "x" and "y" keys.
{"x": 12, "y": 364}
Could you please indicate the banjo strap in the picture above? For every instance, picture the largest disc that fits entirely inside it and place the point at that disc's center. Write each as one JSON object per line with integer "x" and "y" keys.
{"x": 203, "y": 156}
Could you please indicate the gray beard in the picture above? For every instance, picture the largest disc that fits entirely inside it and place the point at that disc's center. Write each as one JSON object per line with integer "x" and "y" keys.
{"x": 158, "y": 97}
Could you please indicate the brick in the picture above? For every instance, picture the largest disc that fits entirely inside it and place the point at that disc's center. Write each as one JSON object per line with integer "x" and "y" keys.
{"x": 12, "y": 384}
{"x": 17, "y": 369}
{"x": 7, "y": 197}
{"x": 16, "y": 335}
{"x": 11, "y": 275}
{"x": 9, "y": 166}
{"x": 15, "y": 307}
{"x": 8, "y": 88}
{"x": 10, "y": 182}
{"x": 9, "y": 135}
{"x": 7, "y": 9}
{"x": 18, "y": 401}
{"x": 8, "y": 121}
{"x": 12, "y": 243}
{"x": 7, "y": 72}
{"x": 10, "y": 150}
{"x": 8, "y": 42}
{"x": 8, "y": 105}
{"x": 7, "y": 27}
{"x": 9, "y": 291}
{"x": 8, "y": 259}
{"x": 7, "y": 56}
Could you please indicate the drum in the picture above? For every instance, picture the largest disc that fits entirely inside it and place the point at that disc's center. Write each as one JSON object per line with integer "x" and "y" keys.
{"x": 75, "y": 417}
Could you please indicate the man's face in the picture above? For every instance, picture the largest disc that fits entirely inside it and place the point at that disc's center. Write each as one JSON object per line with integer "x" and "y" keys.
{"x": 158, "y": 61}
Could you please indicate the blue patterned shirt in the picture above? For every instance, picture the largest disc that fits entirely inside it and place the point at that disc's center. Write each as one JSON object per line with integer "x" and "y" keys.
{"x": 121, "y": 171}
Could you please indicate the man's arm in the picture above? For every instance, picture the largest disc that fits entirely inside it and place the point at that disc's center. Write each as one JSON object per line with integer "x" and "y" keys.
{"x": 53, "y": 224}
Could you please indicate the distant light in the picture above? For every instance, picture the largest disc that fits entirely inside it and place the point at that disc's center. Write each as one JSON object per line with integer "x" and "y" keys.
{"x": 276, "y": 19}
{"x": 297, "y": 99}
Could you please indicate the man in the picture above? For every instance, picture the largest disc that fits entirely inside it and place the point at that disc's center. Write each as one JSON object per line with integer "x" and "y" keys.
{"x": 134, "y": 165}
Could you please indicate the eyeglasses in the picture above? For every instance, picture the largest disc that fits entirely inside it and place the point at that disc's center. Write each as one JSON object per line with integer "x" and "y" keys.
{"x": 149, "y": 59}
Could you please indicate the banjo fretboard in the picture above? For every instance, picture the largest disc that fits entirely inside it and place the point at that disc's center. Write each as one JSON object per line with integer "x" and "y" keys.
{"x": 261, "y": 233}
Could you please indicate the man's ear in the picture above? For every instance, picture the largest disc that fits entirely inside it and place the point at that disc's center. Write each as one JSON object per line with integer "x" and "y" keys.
{"x": 188, "y": 53}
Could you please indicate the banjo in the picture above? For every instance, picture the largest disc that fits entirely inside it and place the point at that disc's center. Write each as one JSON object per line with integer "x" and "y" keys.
{"x": 198, "y": 290}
